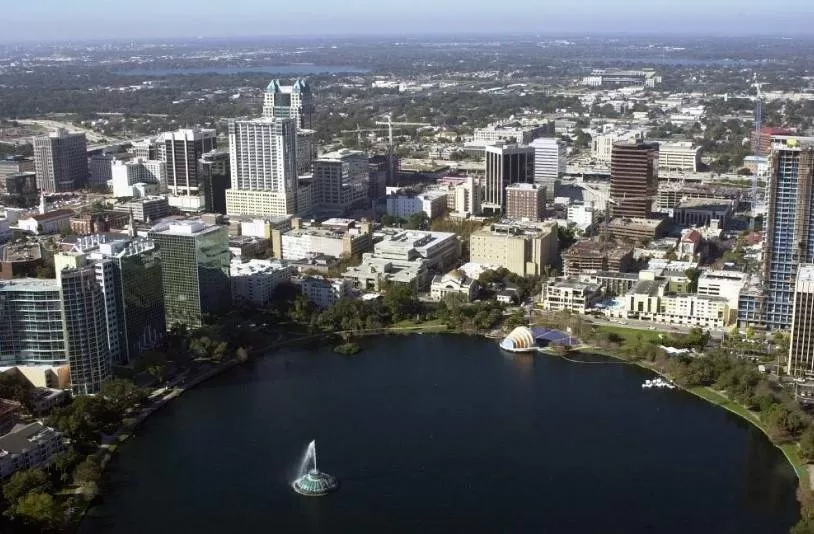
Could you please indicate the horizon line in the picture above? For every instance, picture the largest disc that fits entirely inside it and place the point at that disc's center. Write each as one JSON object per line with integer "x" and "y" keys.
{"x": 322, "y": 36}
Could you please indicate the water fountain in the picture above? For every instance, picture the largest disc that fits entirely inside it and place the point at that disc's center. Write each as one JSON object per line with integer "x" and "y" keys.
{"x": 311, "y": 481}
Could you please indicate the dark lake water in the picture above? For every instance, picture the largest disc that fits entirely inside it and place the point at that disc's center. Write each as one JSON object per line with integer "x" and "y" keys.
{"x": 304, "y": 69}
{"x": 445, "y": 434}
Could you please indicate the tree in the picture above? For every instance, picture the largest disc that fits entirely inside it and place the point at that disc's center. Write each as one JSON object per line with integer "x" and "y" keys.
{"x": 400, "y": 302}
{"x": 64, "y": 464}
{"x": 122, "y": 394}
{"x": 87, "y": 472}
{"x": 388, "y": 220}
{"x": 693, "y": 274}
{"x": 23, "y": 482}
{"x": 807, "y": 444}
{"x": 39, "y": 509}
{"x": 418, "y": 221}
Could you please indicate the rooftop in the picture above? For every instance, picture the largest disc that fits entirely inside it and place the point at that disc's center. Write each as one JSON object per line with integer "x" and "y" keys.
{"x": 705, "y": 203}
{"x": 56, "y": 214}
{"x": 187, "y": 227}
{"x": 29, "y": 284}
{"x": 255, "y": 267}
{"x": 806, "y": 273}
{"x": 646, "y": 287}
{"x": 21, "y": 252}
{"x": 23, "y": 437}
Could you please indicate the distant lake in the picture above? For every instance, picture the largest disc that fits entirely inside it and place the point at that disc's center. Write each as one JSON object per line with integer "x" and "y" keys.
{"x": 675, "y": 61}
{"x": 445, "y": 434}
{"x": 270, "y": 69}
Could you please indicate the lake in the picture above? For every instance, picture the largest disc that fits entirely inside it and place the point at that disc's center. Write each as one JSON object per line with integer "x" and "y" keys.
{"x": 433, "y": 433}
{"x": 302, "y": 69}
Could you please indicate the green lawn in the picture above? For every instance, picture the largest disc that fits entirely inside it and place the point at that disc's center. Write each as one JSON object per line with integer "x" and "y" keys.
{"x": 409, "y": 323}
{"x": 630, "y": 334}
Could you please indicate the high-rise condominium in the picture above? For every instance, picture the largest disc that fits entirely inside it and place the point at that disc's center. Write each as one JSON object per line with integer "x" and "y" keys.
{"x": 85, "y": 327}
{"x": 634, "y": 178}
{"x": 31, "y": 330}
{"x": 263, "y": 164}
{"x": 801, "y": 343}
{"x": 194, "y": 270}
{"x": 549, "y": 163}
{"x": 505, "y": 165}
{"x": 789, "y": 224}
{"x": 182, "y": 149}
{"x": 61, "y": 161}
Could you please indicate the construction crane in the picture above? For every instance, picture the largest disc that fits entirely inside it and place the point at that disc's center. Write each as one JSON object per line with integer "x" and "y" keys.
{"x": 389, "y": 123}
{"x": 756, "y": 145}
{"x": 391, "y": 147}
{"x": 359, "y": 131}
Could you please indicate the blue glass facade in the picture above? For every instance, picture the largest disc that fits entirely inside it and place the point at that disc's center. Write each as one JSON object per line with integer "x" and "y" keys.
{"x": 789, "y": 229}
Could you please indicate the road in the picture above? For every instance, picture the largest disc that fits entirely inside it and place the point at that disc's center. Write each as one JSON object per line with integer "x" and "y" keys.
{"x": 93, "y": 137}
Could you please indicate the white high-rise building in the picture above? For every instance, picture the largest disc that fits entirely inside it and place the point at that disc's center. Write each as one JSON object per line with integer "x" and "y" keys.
{"x": 263, "y": 162}
{"x": 181, "y": 151}
{"x": 85, "y": 320}
{"x": 126, "y": 174}
{"x": 549, "y": 163}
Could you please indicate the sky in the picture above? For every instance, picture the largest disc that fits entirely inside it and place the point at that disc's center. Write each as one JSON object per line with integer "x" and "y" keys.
{"x": 48, "y": 20}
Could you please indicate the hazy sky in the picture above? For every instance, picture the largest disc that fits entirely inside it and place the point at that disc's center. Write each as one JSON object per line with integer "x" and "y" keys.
{"x": 94, "y": 19}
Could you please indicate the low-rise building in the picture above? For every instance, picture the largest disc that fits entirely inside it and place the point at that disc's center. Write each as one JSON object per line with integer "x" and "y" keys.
{"x": 588, "y": 256}
{"x": 650, "y": 300}
{"x": 702, "y": 211}
{"x": 254, "y": 281}
{"x": 689, "y": 244}
{"x": 407, "y": 258}
{"x": 681, "y": 156}
{"x": 453, "y": 283}
{"x": 28, "y": 446}
{"x": 432, "y": 203}
{"x": 637, "y": 228}
{"x": 303, "y": 241}
{"x": 323, "y": 292}
{"x": 51, "y": 222}
{"x": 570, "y": 295}
{"x": 524, "y": 249}
{"x": 146, "y": 209}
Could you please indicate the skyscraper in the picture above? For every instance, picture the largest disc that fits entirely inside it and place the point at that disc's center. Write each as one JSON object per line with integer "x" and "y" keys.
{"x": 634, "y": 175}
{"x": 505, "y": 165}
{"x": 789, "y": 224}
{"x": 801, "y": 344}
{"x": 549, "y": 163}
{"x": 290, "y": 102}
{"x": 340, "y": 182}
{"x": 85, "y": 326}
{"x": 525, "y": 201}
{"x": 61, "y": 161}
{"x": 194, "y": 270}
{"x": 263, "y": 164}
{"x": 215, "y": 179}
{"x": 182, "y": 150}
{"x": 294, "y": 102}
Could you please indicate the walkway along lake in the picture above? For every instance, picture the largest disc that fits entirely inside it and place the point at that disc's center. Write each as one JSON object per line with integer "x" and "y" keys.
{"x": 444, "y": 433}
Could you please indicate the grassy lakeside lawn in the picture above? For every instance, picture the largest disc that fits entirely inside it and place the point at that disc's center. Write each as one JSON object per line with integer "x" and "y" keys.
{"x": 629, "y": 334}
{"x": 790, "y": 448}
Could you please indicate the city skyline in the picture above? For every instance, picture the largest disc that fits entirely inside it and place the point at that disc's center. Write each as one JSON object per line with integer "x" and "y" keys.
{"x": 100, "y": 19}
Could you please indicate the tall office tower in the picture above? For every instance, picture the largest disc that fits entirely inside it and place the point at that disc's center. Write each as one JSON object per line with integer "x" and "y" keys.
{"x": 31, "y": 330}
{"x": 61, "y": 161}
{"x": 801, "y": 344}
{"x": 216, "y": 178}
{"x": 85, "y": 325}
{"x": 263, "y": 163}
{"x": 549, "y": 163}
{"x": 789, "y": 224}
{"x": 634, "y": 176}
{"x": 182, "y": 150}
{"x": 340, "y": 182}
{"x": 290, "y": 102}
{"x": 194, "y": 270}
{"x": 297, "y": 103}
{"x": 525, "y": 202}
{"x": 505, "y": 165}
